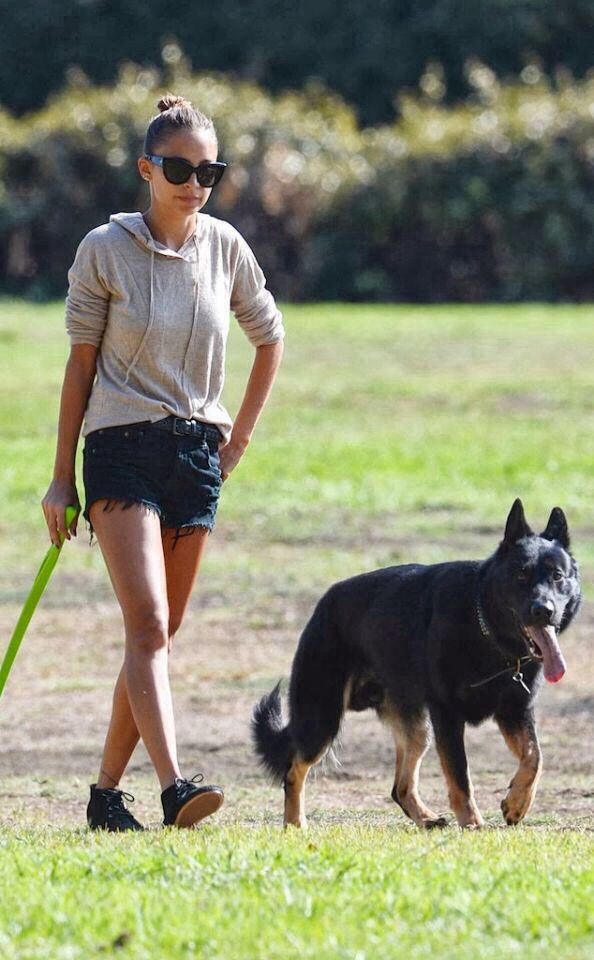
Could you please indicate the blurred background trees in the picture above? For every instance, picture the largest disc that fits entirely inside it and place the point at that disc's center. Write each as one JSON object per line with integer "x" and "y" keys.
{"x": 413, "y": 150}
{"x": 365, "y": 51}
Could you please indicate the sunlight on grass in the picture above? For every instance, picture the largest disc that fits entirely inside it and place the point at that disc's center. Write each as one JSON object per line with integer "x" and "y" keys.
{"x": 341, "y": 892}
{"x": 425, "y": 419}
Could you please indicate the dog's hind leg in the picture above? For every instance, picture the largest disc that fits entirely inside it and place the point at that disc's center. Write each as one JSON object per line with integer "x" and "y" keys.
{"x": 315, "y": 724}
{"x": 412, "y": 738}
{"x": 314, "y": 727}
{"x": 522, "y": 741}
{"x": 295, "y": 791}
{"x": 449, "y": 740}
{"x": 319, "y": 693}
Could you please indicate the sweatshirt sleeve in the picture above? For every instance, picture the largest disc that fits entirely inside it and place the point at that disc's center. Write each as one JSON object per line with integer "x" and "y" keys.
{"x": 253, "y": 305}
{"x": 87, "y": 301}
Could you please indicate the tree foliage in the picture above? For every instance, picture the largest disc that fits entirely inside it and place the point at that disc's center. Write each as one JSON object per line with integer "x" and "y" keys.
{"x": 367, "y": 52}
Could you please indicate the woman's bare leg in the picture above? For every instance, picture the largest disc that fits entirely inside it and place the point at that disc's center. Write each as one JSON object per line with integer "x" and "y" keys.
{"x": 130, "y": 540}
{"x": 182, "y": 560}
{"x": 122, "y": 736}
{"x": 183, "y": 556}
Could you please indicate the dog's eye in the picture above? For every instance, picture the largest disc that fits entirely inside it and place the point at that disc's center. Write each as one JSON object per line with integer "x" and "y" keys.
{"x": 558, "y": 575}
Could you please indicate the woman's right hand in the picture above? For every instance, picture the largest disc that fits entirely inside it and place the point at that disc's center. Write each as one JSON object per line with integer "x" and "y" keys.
{"x": 60, "y": 494}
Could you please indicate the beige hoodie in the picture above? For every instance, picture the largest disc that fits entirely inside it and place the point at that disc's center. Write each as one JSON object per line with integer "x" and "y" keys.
{"x": 161, "y": 318}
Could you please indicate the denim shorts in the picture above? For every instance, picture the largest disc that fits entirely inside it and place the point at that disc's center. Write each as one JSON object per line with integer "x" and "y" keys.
{"x": 177, "y": 476}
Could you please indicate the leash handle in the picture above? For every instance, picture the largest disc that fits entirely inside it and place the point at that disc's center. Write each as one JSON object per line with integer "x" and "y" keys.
{"x": 39, "y": 584}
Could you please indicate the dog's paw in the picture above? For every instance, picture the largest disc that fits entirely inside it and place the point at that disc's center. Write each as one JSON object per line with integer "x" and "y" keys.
{"x": 300, "y": 824}
{"x": 438, "y": 824}
{"x": 513, "y": 813}
{"x": 468, "y": 815}
{"x": 470, "y": 820}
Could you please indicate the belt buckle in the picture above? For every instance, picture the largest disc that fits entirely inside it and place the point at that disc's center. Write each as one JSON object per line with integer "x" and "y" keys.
{"x": 181, "y": 427}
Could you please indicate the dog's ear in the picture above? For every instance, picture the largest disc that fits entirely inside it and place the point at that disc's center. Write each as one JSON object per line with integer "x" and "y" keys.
{"x": 516, "y": 527}
{"x": 556, "y": 528}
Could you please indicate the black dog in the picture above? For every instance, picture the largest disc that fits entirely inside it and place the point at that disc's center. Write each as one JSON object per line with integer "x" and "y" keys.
{"x": 452, "y": 642}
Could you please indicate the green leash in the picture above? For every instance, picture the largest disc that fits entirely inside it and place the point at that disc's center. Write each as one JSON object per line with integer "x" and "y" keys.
{"x": 39, "y": 585}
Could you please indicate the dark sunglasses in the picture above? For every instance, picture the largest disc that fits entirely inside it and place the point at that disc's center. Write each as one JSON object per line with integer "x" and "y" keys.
{"x": 175, "y": 170}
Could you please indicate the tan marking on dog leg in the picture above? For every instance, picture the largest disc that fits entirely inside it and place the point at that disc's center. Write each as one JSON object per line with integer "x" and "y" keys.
{"x": 522, "y": 790}
{"x": 347, "y": 694}
{"x": 399, "y": 765}
{"x": 411, "y": 746}
{"x": 295, "y": 795}
{"x": 463, "y": 804}
{"x": 393, "y": 721}
{"x": 295, "y": 791}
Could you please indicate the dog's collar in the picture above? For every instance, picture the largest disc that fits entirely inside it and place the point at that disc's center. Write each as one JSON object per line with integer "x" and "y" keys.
{"x": 485, "y": 629}
{"x": 512, "y": 665}
{"x": 482, "y": 622}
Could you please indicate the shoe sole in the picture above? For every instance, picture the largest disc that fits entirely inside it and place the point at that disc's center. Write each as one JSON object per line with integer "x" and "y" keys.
{"x": 198, "y": 807}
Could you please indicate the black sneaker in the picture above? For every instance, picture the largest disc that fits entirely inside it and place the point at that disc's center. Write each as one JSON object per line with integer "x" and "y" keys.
{"x": 107, "y": 810}
{"x": 185, "y": 803}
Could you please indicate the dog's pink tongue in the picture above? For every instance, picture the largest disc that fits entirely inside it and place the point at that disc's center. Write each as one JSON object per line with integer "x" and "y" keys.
{"x": 554, "y": 664}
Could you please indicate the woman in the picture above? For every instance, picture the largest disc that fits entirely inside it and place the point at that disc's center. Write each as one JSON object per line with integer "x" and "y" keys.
{"x": 148, "y": 313}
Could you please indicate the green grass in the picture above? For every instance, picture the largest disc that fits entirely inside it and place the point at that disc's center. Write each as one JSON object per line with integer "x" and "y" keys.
{"x": 387, "y": 422}
{"x": 353, "y": 892}
{"x": 393, "y": 433}
{"x": 428, "y": 416}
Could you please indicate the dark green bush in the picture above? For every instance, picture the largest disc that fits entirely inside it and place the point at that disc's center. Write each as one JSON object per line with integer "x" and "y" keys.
{"x": 65, "y": 169}
{"x": 490, "y": 201}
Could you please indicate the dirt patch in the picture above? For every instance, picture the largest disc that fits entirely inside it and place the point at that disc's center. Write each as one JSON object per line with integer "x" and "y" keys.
{"x": 238, "y": 640}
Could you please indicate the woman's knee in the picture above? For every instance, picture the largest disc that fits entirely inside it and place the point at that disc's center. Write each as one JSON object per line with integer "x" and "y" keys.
{"x": 148, "y": 633}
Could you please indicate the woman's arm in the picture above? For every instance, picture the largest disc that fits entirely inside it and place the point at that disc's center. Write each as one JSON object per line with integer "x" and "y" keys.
{"x": 261, "y": 379}
{"x": 78, "y": 380}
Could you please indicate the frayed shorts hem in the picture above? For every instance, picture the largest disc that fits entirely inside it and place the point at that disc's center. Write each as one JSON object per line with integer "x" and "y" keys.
{"x": 125, "y": 503}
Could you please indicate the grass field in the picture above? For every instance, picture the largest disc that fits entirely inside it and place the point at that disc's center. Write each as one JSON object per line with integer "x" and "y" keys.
{"x": 394, "y": 434}
{"x": 348, "y": 892}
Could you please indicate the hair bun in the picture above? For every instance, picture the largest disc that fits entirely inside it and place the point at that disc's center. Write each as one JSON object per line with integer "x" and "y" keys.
{"x": 169, "y": 101}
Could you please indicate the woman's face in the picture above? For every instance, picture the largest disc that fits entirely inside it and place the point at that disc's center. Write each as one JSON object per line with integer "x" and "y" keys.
{"x": 184, "y": 198}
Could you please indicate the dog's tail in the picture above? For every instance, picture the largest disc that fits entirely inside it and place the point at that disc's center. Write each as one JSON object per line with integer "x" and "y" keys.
{"x": 272, "y": 740}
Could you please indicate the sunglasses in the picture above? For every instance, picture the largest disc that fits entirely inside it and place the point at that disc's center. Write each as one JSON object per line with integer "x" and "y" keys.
{"x": 175, "y": 170}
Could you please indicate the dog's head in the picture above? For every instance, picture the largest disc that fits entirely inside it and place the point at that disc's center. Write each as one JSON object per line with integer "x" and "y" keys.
{"x": 537, "y": 580}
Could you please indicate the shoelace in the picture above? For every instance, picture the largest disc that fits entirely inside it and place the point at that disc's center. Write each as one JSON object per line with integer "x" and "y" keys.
{"x": 115, "y": 804}
{"x": 184, "y": 785}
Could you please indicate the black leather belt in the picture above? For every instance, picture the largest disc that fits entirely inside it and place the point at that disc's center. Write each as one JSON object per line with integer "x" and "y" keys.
{"x": 187, "y": 428}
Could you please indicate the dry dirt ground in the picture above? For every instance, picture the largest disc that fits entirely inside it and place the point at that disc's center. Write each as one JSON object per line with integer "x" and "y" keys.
{"x": 236, "y": 643}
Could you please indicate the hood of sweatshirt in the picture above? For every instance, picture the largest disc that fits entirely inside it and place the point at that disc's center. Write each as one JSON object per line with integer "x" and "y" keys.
{"x": 135, "y": 225}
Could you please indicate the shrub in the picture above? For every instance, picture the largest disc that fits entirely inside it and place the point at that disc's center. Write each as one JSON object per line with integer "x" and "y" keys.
{"x": 485, "y": 200}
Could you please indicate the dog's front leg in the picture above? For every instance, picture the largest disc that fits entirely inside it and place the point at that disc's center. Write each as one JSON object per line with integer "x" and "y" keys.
{"x": 449, "y": 740}
{"x": 520, "y": 736}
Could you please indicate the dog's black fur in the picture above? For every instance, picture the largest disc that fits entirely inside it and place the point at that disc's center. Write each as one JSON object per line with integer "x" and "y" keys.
{"x": 416, "y": 643}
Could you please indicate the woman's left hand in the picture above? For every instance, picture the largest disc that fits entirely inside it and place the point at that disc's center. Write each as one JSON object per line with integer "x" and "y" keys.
{"x": 230, "y": 453}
